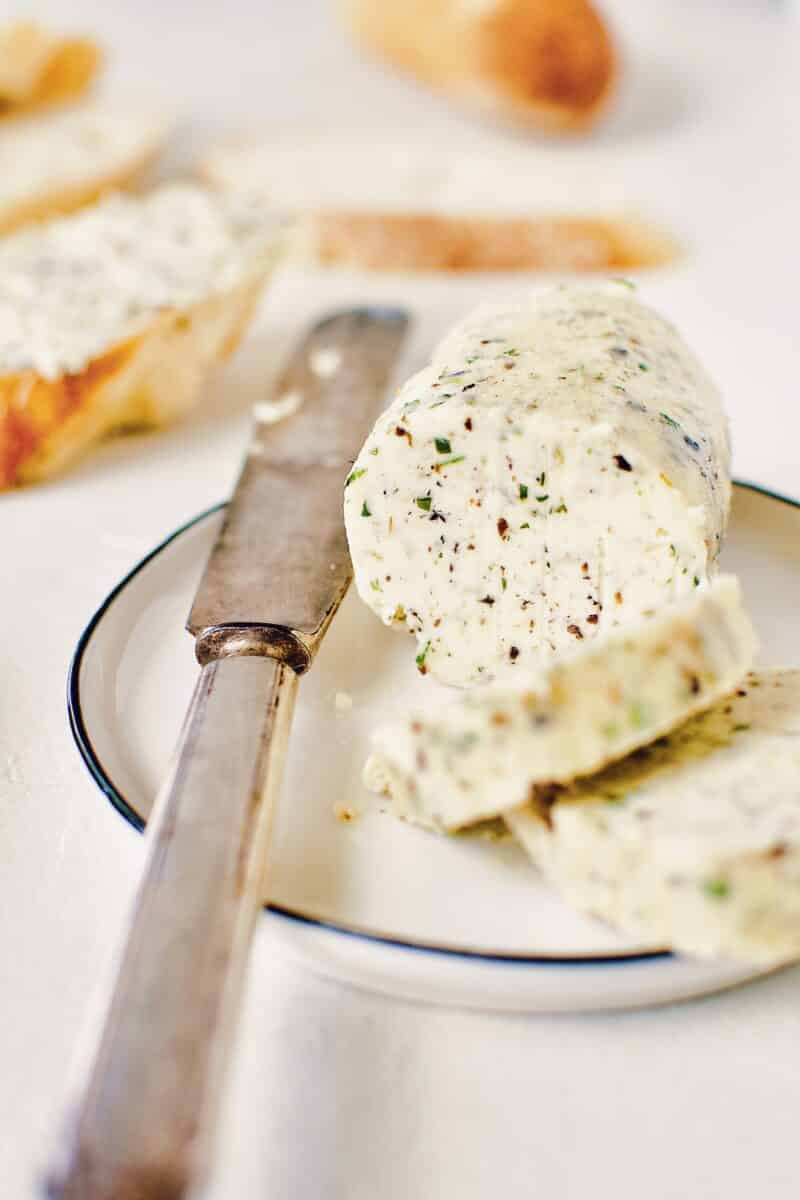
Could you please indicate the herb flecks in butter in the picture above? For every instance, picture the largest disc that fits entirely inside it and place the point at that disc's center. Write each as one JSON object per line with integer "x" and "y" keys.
{"x": 570, "y": 464}
{"x": 110, "y": 270}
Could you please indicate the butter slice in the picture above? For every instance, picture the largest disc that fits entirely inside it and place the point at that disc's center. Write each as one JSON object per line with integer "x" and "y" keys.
{"x": 695, "y": 842}
{"x": 479, "y": 757}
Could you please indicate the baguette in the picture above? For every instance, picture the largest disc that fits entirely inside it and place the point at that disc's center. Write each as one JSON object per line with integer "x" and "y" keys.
{"x": 112, "y": 318}
{"x": 398, "y": 209}
{"x": 38, "y": 68}
{"x": 53, "y": 164}
{"x": 549, "y": 64}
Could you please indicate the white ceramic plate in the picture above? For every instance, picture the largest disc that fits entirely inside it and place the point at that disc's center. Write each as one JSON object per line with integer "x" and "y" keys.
{"x": 376, "y": 902}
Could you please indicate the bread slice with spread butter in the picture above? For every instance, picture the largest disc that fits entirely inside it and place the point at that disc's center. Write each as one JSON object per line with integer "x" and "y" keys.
{"x": 400, "y": 207}
{"x": 111, "y": 318}
{"x": 52, "y": 164}
{"x": 454, "y": 764}
{"x": 694, "y": 842}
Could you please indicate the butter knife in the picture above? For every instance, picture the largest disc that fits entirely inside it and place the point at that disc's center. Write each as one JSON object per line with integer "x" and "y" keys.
{"x": 272, "y": 584}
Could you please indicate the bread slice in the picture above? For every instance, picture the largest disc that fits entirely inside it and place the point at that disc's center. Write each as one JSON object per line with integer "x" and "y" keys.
{"x": 450, "y": 765}
{"x": 113, "y": 317}
{"x": 39, "y": 68}
{"x": 400, "y": 208}
{"x": 548, "y": 64}
{"x": 693, "y": 843}
{"x": 55, "y": 163}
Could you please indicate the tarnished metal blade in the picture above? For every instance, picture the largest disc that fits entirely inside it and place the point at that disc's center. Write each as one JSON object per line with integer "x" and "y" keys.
{"x": 280, "y": 565}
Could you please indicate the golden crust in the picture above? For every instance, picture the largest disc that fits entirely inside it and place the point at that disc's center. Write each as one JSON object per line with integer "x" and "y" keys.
{"x": 72, "y": 68}
{"x": 553, "y": 54}
{"x": 547, "y": 63}
{"x": 38, "y": 69}
{"x": 146, "y": 381}
{"x": 433, "y": 242}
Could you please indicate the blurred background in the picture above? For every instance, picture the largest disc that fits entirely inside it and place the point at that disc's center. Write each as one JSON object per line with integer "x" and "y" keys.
{"x": 296, "y": 61}
{"x": 696, "y": 131}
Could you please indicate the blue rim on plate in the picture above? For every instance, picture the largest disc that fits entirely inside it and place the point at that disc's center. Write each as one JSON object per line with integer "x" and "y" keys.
{"x": 112, "y": 793}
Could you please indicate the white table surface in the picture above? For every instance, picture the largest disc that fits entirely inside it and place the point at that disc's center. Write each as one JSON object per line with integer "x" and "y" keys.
{"x": 337, "y": 1093}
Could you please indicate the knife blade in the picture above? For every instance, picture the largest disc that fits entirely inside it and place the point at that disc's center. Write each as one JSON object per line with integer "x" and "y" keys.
{"x": 272, "y": 583}
{"x": 265, "y": 584}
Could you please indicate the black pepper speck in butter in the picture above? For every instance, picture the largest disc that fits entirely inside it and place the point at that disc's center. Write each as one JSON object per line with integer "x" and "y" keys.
{"x": 555, "y": 455}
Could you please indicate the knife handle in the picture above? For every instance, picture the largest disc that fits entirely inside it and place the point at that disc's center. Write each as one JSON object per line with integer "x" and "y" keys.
{"x": 147, "y": 1115}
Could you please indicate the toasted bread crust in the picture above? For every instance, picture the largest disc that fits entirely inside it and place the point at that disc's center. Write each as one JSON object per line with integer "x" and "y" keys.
{"x": 38, "y": 69}
{"x": 71, "y": 69}
{"x": 435, "y": 242}
{"x": 547, "y": 63}
{"x": 553, "y": 54}
{"x": 32, "y": 408}
{"x": 146, "y": 381}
